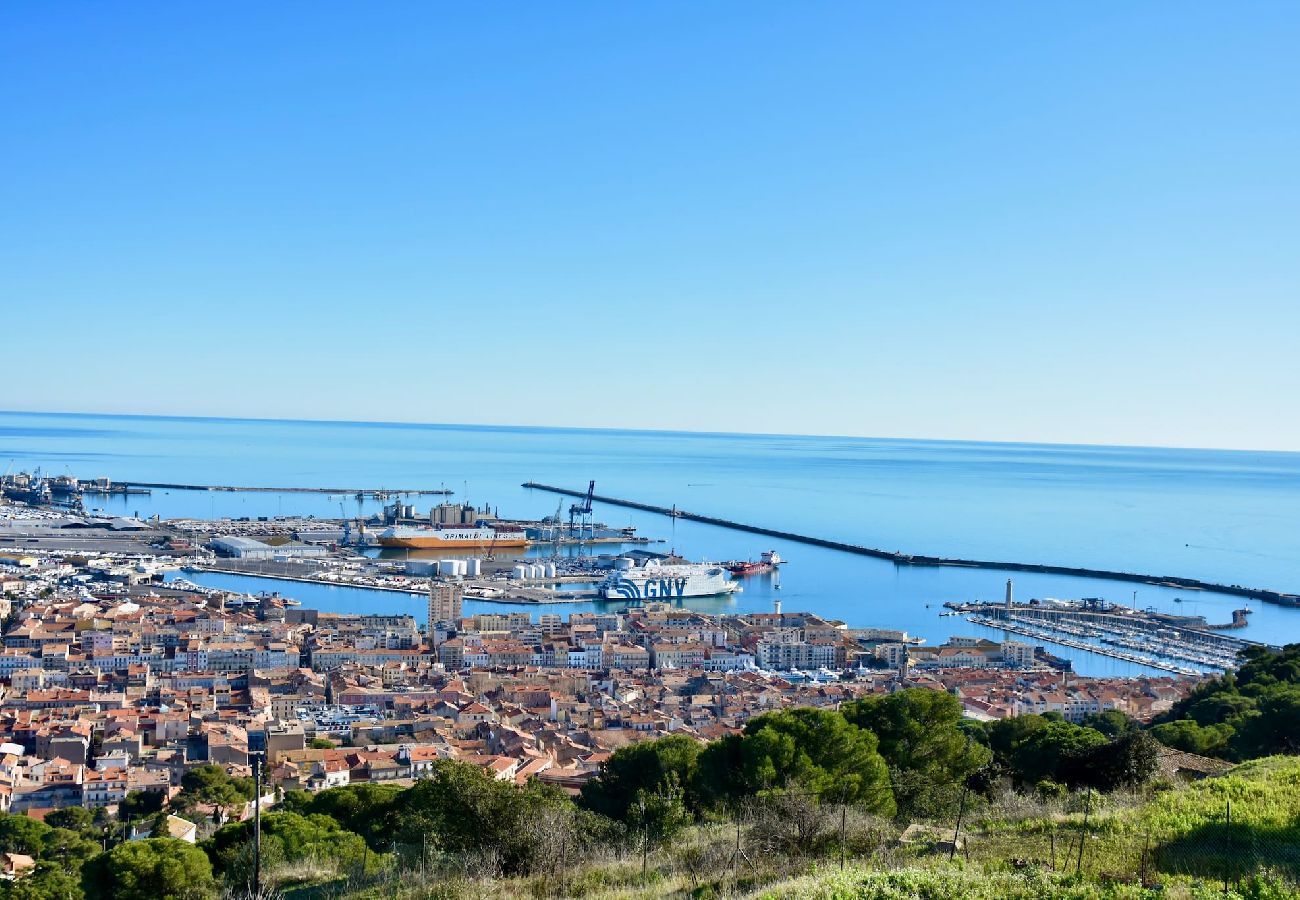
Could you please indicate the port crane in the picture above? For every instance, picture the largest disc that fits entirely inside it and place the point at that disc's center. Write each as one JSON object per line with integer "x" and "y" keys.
{"x": 552, "y": 524}
{"x": 580, "y": 513}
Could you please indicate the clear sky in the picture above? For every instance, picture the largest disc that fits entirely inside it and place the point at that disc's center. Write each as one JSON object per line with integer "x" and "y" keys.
{"x": 1012, "y": 221}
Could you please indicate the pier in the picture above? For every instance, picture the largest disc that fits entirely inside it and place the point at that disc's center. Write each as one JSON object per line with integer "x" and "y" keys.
{"x": 908, "y": 559}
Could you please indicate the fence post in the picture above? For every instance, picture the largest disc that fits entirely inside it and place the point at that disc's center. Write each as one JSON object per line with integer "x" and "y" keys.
{"x": 1083, "y": 835}
{"x": 645, "y": 841}
{"x": 956, "y": 832}
{"x": 844, "y": 821}
{"x": 1146, "y": 855}
{"x": 1051, "y": 837}
{"x": 1227, "y": 834}
{"x": 735, "y": 859}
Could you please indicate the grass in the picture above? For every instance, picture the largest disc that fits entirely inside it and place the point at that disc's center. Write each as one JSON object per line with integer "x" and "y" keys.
{"x": 1175, "y": 845}
{"x": 969, "y": 884}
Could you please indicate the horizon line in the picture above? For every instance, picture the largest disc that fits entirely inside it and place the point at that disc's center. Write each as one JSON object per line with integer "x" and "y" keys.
{"x": 664, "y": 431}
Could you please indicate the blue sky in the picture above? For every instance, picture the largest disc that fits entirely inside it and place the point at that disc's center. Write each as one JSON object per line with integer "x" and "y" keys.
{"x": 1013, "y": 221}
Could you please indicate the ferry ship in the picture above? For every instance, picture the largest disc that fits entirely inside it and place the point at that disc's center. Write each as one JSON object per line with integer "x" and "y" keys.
{"x": 660, "y": 581}
{"x": 425, "y": 537}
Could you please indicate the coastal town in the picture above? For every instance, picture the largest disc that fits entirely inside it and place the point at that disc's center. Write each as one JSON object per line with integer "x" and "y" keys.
{"x": 118, "y": 676}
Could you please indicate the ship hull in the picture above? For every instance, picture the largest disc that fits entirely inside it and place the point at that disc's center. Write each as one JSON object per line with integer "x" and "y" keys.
{"x": 667, "y": 585}
{"x": 750, "y": 568}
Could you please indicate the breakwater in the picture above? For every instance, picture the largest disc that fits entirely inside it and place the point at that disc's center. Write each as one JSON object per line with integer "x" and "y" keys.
{"x": 909, "y": 559}
{"x": 369, "y": 492}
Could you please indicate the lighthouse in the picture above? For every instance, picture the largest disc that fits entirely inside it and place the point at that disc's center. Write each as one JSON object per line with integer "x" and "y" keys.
{"x": 1008, "y": 604}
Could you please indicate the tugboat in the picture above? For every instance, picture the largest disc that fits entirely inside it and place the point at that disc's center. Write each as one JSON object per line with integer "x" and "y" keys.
{"x": 767, "y": 561}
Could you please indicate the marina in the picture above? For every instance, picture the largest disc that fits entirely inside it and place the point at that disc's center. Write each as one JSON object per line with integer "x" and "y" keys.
{"x": 1186, "y": 645}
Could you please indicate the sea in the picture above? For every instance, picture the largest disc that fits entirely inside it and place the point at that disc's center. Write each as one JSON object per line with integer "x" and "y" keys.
{"x": 1224, "y": 516}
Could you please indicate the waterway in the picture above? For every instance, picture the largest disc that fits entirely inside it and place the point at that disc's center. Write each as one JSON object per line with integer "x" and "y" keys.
{"x": 1225, "y": 516}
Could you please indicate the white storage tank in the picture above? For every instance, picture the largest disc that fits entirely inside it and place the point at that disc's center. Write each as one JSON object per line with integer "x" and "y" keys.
{"x": 449, "y": 568}
{"x": 551, "y": 570}
{"x": 623, "y": 563}
{"x": 473, "y": 567}
{"x": 421, "y": 567}
{"x": 519, "y": 572}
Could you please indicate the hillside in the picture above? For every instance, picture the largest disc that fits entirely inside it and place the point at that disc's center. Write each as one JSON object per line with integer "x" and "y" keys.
{"x": 1175, "y": 842}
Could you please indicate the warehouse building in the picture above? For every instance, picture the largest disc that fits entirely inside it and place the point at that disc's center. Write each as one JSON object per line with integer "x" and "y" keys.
{"x": 248, "y": 548}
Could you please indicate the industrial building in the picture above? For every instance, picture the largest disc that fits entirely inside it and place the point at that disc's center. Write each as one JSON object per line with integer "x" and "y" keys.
{"x": 248, "y": 548}
{"x": 459, "y": 514}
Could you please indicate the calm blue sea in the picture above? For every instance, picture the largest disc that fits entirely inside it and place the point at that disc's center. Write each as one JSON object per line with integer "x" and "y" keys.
{"x": 1224, "y": 516}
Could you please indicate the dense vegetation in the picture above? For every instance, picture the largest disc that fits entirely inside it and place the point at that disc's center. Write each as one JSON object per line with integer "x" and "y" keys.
{"x": 1243, "y": 715}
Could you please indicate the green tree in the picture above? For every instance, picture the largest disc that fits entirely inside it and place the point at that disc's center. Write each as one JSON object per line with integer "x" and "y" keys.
{"x": 1128, "y": 761}
{"x": 809, "y": 749}
{"x": 151, "y": 869}
{"x": 1272, "y": 728}
{"x": 1110, "y": 722}
{"x": 648, "y": 767}
{"x": 73, "y": 818}
{"x": 49, "y": 881}
{"x": 210, "y": 784}
{"x": 459, "y": 808}
{"x": 1188, "y": 735}
{"x": 1034, "y": 748}
{"x": 19, "y": 834}
{"x": 286, "y": 837}
{"x": 1049, "y": 752}
{"x": 362, "y": 808}
{"x": 68, "y": 847}
{"x": 320, "y": 743}
{"x": 1252, "y": 712}
{"x": 661, "y": 815}
{"x": 930, "y": 756}
{"x": 140, "y": 805}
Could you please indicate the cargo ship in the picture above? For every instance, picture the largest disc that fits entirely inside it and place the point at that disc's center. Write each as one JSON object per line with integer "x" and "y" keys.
{"x": 660, "y": 581}
{"x": 427, "y": 537}
{"x": 767, "y": 562}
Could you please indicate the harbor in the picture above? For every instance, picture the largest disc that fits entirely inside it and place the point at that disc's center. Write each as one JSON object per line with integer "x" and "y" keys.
{"x": 368, "y": 548}
{"x": 916, "y": 560}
